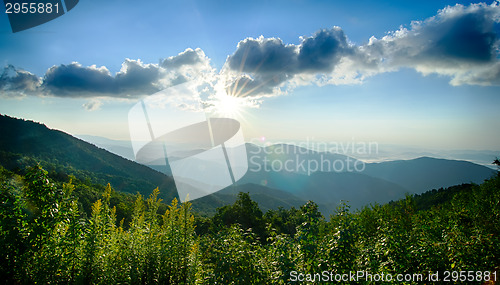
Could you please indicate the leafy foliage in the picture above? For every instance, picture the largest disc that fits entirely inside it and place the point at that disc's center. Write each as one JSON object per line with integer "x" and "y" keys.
{"x": 46, "y": 239}
{"x": 46, "y": 236}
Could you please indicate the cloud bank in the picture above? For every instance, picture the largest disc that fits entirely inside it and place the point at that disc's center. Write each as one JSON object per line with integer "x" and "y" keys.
{"x": 134, "y": 79}
{"x": 459, "y": 42}
{"x": 260, "y": 66}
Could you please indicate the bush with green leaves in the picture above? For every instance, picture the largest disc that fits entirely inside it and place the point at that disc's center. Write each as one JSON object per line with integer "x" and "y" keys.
{"x": 46, "y": 238}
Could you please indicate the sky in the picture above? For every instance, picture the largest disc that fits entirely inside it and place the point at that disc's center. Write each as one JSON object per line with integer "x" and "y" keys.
{"x": 416, "y": 73}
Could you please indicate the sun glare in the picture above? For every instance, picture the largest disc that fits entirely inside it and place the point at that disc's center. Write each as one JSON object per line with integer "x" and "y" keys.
{"x": 228, "y": 106}
{"x": 232, "y": 96}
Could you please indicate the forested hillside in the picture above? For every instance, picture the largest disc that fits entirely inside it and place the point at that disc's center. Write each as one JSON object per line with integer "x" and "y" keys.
{"x": 25, "y": 143}
{"x": 46, "y": 238}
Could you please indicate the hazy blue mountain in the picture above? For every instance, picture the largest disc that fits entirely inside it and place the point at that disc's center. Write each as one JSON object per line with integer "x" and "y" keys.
{"x": 481, "y": 157}
{"x": 279, "y": 175}
{"x": 295, "y": 159}
{"x": 324, "y": 187}
{"x": 356, "y": 188}
{"x": 118, "y": 147}
{"x": 375, "y": 182}
{"x": 329, "y": 188}
{"x": 330, "y": 177}
{"x": 388, "y": 152}
{"x": 426, "y": 173}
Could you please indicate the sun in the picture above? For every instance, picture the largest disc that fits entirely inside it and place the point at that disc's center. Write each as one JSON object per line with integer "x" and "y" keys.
{"x": 228, "y": 106}
{"x": 228, "y": 100}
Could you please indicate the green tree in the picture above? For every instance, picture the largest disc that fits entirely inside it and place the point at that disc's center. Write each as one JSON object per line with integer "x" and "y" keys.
{"x": 308, "y": 237}
{"x": 338, "y": 248}
{"x": 244, "y": 212}
{"x": 12, "y": 222}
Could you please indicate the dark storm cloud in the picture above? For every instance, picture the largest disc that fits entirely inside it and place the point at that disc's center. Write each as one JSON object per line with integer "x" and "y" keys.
{"x": 15, "y": 80}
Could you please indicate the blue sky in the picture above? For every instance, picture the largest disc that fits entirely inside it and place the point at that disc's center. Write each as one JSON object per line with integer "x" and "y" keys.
{"x": 327, "y": 70}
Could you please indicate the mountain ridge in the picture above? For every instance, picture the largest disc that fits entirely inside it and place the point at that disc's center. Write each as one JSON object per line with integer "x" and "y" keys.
{"x": 24, "y": 140}
{"x": 378, "y": 182}
{"x": 438, "y": 172}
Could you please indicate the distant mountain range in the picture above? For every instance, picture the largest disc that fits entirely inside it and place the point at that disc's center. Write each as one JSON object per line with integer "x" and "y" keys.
{"x": 279, "y": 175}
{"x": 426, "y": 173}
{"x": 397, "y": 152}
{"x": 384, "y": 152}
{"x": 352, "y": 180}
{"x": 326, "y": 178}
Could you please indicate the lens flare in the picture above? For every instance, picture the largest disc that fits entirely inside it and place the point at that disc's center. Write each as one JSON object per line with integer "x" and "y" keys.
{"x": 228, "y": 106}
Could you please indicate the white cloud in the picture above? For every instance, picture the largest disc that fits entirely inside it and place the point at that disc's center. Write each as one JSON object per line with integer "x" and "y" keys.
{"x": 134, "y": 79}
{"x": 263, "y": 66}
{"x": 15, "y": 82}
{"x": 92, "y": 105}
{"x": 460, "y": 42}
